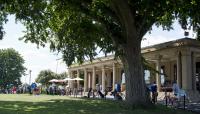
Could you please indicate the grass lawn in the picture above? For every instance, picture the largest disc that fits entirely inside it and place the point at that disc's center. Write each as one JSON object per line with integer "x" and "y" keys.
{"x": 43, "y": 104}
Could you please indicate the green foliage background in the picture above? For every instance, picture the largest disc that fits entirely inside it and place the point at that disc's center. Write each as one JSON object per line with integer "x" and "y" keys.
{"x": 11, "y": 67}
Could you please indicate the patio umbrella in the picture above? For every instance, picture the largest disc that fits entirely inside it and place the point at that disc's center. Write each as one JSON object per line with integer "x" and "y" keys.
{"x": 53, "y": 80}
{"x": 77, "y": 78}
{"x": 61, "y": 81}
{"x": 67, "y": 79}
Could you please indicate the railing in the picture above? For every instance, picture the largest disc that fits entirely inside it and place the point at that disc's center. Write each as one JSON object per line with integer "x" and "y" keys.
{"x": 175, "y": 101}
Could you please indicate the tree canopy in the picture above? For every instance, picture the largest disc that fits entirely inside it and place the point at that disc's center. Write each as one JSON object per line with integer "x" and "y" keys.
{"x": 76, "y": 28}
{"x": 11, "y": 67}
{"x": 62, "y": 75}
{"x": 44, "y": 76}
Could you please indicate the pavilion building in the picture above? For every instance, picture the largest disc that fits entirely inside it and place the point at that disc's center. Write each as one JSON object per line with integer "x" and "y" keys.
{"x": 177, "y": 60}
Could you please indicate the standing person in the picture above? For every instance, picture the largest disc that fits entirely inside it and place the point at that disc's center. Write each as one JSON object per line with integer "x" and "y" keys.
{"x": 175, "y": 88}
{"x": 29, "y": 89}
{"x": 154, "y": 92}
{"x": 14, "y": 90}
{"x": 176, "y": 91}
{"x": 33, "y": 87}
{"x": 67, "y": 90}
{"x": 123, "y": 83}
{"x": 51, "y": 91}
{"x": 98, "y": 89}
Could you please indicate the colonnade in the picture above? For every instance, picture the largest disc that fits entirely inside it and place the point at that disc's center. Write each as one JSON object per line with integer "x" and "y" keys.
{"x": 186, "y": 70}
{"x": 90, "y": 74}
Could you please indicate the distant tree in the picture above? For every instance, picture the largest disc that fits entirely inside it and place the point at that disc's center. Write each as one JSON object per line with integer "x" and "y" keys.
{"x": 11, "y": 67}
{"x": 62, "y": 75}
{"x": 44, "y": 76}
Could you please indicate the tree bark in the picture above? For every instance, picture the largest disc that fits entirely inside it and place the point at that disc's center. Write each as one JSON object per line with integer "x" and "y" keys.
{"x": 136, "y": 91}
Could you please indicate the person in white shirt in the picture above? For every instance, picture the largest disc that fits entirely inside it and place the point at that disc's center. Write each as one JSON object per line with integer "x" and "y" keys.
{"x": 175, "y": 88}
{"x": 123, "y": 78}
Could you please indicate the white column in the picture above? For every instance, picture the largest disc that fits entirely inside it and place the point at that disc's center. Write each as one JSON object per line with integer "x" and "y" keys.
{"x": 93, "y": 78}
{"x": 158, "y": 78}
{"x": 114, "y": 75}
{"x": 103, "y": 79}
{"x": 179, "y": 72}
{"x": 85, "y": 80}
{"x": 186, "y": 70}
{"x": 78, "y": 75}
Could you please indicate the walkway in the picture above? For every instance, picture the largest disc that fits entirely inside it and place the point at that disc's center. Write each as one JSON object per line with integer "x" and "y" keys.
{"x": 191, "y": 106}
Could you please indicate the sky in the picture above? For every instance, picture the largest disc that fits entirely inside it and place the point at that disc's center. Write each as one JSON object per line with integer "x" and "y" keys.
{"x": 35, "y": 59}
{"x": 42, "y": 59}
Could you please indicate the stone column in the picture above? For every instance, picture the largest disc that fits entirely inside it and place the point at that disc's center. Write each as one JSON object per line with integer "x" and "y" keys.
{"x": 103, "y": 79}
{"x": 93, "y": 78}
{"x": 193, "y": 57}
{"x": 85, "y": 80}
{"x": 158, "y": 78}
{"x": 114, "y": 76}
{"x": 89, "y": 79}
{"x": 186, "y": 70}
{"x": 78, "y": 75}
{"x": 179, "y": 72}
{"x": 71, "y": 82}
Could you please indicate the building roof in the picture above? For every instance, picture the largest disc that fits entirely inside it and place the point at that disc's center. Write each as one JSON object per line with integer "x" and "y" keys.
{"x": 171, "y": 44}
{"x": 96, "y": 60}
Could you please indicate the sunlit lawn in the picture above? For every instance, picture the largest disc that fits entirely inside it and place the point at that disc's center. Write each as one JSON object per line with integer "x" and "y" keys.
{"x": 43, "y": 104}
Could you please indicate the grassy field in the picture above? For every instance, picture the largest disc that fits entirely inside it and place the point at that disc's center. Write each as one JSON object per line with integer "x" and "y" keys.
{"x": 43, "y": 104}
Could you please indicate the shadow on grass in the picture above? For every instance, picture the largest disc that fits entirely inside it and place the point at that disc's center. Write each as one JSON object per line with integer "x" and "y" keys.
{"x": 82, "y": 106}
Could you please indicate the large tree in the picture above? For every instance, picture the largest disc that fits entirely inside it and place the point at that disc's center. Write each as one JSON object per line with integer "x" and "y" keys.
{"x": 62, "y": 75}
{"x": 77, "y": 28}
{"x": 11, "y": 67}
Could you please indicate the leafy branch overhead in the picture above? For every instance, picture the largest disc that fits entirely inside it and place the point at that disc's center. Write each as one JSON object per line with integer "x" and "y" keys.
{"x": 78, "y": 27}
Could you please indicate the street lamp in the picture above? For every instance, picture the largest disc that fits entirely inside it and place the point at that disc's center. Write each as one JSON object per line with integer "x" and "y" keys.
{"x": 30, "y": 77}
{"x": 25, "y": 76}
{"x": 57, "y": 64}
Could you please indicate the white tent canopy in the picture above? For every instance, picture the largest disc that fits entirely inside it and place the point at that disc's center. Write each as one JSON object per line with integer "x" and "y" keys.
{"x": 77, "y": 78}
{"x": 53, "y": 80}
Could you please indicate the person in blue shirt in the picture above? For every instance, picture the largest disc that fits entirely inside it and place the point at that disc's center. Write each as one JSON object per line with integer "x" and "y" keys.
{"x": 154, "y": 92}
{"x": 33, "y": 87}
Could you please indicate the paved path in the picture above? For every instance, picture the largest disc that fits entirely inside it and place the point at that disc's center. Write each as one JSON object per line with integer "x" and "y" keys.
{"x": 191, "y": 106}
{"x": 195, "y": 107}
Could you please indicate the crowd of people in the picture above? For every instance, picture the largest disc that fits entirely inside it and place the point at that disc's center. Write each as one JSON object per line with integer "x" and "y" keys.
{"x": 64, "y": 89}
{"x": 13, "y": 90}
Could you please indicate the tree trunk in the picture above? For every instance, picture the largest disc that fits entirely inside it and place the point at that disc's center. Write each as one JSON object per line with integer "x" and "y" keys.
{"x": 136, "y": 91}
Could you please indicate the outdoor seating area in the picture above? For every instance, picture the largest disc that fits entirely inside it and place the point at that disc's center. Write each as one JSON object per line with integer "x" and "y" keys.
{"x": 62, "y": 87}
